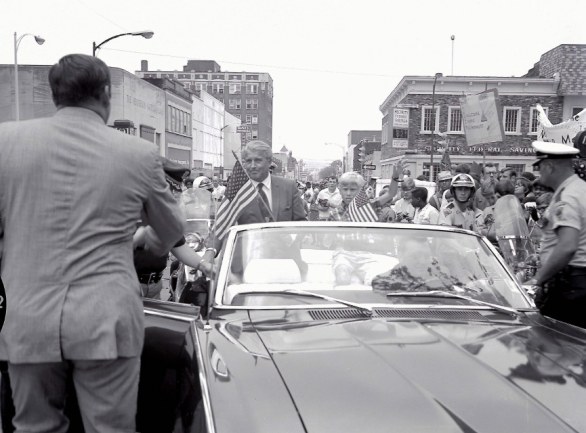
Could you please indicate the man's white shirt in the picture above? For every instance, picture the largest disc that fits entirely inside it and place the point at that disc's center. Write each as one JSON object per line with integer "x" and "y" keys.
{"x": 426, "y": 215}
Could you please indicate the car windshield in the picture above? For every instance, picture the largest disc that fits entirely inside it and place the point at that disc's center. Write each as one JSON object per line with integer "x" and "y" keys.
{"x": 366, "y": 265}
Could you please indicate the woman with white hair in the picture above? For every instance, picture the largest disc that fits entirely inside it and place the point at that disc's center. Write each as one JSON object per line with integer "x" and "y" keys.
{"x": 350, "y": 183}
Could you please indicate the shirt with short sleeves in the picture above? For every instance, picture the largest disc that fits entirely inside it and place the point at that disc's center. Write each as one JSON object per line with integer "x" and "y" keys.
{"x": 333, "y": 198}
{"x": 426, "y": 215}
{"x": 567, "y": 209}
{"x": 451, "y": 215}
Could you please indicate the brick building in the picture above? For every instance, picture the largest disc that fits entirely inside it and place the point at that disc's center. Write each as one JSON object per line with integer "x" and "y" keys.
{"x": 246, "y": 95}
{"x": 556, "y": 82}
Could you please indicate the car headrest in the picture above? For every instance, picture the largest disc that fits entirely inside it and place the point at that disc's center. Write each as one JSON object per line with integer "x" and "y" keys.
{"x": 279, "y": 271}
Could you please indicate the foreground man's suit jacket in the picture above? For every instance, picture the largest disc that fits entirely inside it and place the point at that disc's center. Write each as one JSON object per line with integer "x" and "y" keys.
{"x": 71, "y": 192}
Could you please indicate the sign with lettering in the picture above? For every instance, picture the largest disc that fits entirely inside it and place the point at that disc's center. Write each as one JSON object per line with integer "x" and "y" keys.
{"x": 562, "y": 132}
{"x": 400, "y": 144}
{"x": 400, "y": 118}
{"x": 482, "y": 118}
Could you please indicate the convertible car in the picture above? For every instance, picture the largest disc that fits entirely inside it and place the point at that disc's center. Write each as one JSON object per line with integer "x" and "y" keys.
{"x": 347, "y": 327}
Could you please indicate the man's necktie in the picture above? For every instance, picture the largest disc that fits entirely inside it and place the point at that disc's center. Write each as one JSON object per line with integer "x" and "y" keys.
{"x": 264, "y": 207}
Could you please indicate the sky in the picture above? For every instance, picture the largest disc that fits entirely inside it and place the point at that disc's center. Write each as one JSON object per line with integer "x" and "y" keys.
{"x": 333, "y": 62}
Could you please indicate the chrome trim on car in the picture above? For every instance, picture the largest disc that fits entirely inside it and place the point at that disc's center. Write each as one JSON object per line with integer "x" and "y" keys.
{"x": 169, "y": 315}
{"x": 374, "y": 306}
{"x": 205, "y": 390}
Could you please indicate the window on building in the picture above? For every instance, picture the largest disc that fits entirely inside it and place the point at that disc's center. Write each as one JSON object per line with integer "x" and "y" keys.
{"x": 455, "y": 119}
{"x": 238, "y": 116}
{"x": 519, "y": 168}
{"x": 252, "y": 88}
{"x": 248, "y": 118}
{"x": 185, "y": 76}
{"x": 400, "y": 133}
{"x": 235, "y": 88}
{"x": 218, "y": 88}
{"x": 512, "y": 120}
{"x": 201, "y": 76}
{"x": 234, "y": 77}
{"x": 234, "y": 104}
{"x": 254, "y": 134}
{"x": 534, "y": 119}
{"x": 173, "y": 124}
{"x": 576, "y": 110}
{"x": 200, "y": 86}
{"x": 255, "y": 119}
{"x": 252, "y": 104}
{"x": 427, "y": 119}
{"x": 436, "y": 170}
{"x": 217, "y": 76}
{"x": 252, "y": 77}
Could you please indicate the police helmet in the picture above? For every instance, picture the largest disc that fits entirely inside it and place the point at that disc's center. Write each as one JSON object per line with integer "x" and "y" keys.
{"x": 462, "y": 180}
{"x": 203, "y": 182}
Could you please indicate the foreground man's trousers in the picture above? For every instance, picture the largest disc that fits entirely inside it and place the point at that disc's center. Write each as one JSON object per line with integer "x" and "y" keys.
{"x": 107, "y": 392}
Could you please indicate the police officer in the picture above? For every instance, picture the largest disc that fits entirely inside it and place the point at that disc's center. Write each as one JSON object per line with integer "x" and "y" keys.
{"x": 149, "y": 266}
{"x": 562, "y": 276}
{"x": 459, "y": 213}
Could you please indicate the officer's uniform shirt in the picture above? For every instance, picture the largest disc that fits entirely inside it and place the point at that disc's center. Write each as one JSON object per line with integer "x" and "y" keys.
{"x": 451, "y": 215}
{"x": 567, "y": 209}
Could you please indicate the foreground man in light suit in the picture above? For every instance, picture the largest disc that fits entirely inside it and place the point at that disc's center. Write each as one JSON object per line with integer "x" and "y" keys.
{"x": 71, "y": 191}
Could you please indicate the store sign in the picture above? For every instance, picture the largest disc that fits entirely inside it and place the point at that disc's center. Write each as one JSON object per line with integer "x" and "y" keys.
{"x": 482, "y": 118}
{"x": 400, "y": 118}
{"x": 478, "y": 150}
{"x": 179, "y": 156}
{"x": 400, "y": 144}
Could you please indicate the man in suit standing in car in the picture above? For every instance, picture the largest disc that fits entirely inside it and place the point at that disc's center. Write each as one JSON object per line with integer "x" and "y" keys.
{"x": 71, "y": 191}
{"x": 277, "y": 198}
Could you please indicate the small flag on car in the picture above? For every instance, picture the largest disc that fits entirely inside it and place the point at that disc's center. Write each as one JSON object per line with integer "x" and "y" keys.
{"x": 239, "y": 193}
{"x": 360, "y": 209}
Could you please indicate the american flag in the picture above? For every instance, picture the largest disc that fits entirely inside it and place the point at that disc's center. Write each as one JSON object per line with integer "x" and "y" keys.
{"x": 360, "y": 209}
{"x": 239, "y": 193}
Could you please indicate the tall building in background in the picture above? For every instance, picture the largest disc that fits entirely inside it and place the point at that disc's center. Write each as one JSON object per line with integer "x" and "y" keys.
{"x": 246, "y": 95}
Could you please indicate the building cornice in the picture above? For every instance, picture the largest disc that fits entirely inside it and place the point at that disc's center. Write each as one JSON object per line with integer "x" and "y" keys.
{"x": 464, "y": 85}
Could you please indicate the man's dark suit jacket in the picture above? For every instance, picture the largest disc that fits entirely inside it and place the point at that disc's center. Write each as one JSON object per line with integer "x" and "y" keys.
{"x": 287, "y": 205}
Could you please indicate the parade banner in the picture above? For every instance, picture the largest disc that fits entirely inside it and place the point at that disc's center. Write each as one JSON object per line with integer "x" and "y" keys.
{"x": 562, "y": 132}
{"x": 482, "y": 118}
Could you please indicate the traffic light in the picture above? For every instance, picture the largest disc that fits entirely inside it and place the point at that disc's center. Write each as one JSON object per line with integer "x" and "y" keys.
{"x": 362, "y": 154}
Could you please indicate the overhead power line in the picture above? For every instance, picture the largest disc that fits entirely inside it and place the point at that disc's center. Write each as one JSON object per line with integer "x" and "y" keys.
{"x": 258, "y": 65}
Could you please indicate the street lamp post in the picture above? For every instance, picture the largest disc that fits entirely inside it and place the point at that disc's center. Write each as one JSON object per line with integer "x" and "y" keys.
{"x": 17, "y": 40}
{"x": 437, "y": 75}
{"x": 147, "y": 34}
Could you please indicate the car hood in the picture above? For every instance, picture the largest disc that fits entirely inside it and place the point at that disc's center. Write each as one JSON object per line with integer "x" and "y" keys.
{"x": 387, "y": 375}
